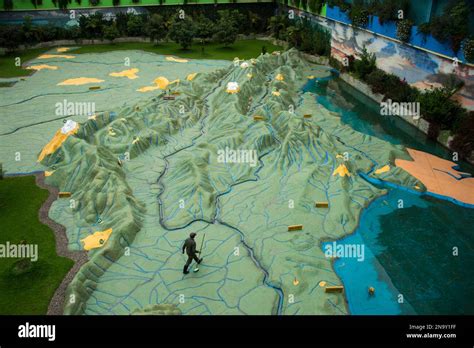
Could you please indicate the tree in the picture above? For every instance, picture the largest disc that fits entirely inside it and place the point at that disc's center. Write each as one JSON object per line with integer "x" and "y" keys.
{"x": 95, "y": 26}
{"x": 27, "y": 31}
{"x": 204, "y": 27}
{"x": 463, "y": 141}
{"x": 293, "y": 35}
{"x": 278, "y": 25}
{"x": 256, "y": 24}
{"x": 8, "y": 5}
{"x": 468, "y": 49}
{"x": 135, "y": 25}
{"x": 365, "y": 65}
{"x": 111, "y": 32}
{"x": 226, "y": 29}
{"x": 387, "y": 10}
{"x": 182, "y": 31}
{"x": 437, "y": 107}
{"x": 62, "y": 4}
{"x": 315, "y": 6}
{"x": 10, "y": 37}
{"x": 155, "y": 27}
{"x": 359, "y": 14}
{"x": 121, "y": 20}
{"x": 452, "y": 26}
{"x": 404, "y": 30}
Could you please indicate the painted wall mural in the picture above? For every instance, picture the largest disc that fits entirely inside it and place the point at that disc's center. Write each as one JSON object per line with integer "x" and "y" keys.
{"x": 418, "y": 67}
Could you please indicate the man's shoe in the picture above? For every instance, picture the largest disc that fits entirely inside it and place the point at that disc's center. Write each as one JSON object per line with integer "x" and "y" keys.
{"x": 185, "y": 270}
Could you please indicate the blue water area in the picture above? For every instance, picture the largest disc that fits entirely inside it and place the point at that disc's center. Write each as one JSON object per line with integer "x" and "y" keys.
{"x": 409, "y": 239}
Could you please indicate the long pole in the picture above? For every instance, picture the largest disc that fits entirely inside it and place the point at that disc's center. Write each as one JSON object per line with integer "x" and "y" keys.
{"x": 202, "y": 244}
{"x": 200, "y": 254}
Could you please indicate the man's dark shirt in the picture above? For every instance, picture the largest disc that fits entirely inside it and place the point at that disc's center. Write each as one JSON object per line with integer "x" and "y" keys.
{"x": 190, "y": 246}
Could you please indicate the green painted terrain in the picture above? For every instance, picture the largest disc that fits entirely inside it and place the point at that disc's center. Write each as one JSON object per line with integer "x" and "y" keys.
{"x": 172, "y": 181}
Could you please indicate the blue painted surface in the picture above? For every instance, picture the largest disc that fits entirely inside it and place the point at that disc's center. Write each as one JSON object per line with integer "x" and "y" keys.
{"x": 358, "y": 276}
{"x": 428, "y": 281}
{"x": 390, "y": 29}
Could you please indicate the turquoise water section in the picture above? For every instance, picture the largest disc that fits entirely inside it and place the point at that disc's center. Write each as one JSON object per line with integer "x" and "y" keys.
{"x": 418, "y": 249}
{"x": 358, "y": 276}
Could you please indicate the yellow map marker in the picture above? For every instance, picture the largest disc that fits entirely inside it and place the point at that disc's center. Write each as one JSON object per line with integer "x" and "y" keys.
{"x": 342, "y": 171}
{"x": 42, "y": 67}
{"x": 383, "y": 169}
{"x": 97, "y": 239}
{"x": 79, "y": 81}
{"x": 130, "y": 73}
{"x": 176, "y": 60}
{"x": 47, "y": 56}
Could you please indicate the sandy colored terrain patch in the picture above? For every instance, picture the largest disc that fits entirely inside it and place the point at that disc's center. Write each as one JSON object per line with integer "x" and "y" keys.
{"x": 176, "y": 60}
{"x": 341, "y": 170}
{"x": 161, "y": 82}
{"x": 97, "y": 239}
{"x": 59, "y": 138}
{"x": 439, "y": 176}
{"x": 79, "y": 81}
{"x": 384, "y": 169}
{"x": 190, "y": 77}
{"x": 62, "y": 49}
{"x": 130, "y": 73}
{"x": 148, "y": 88}
{"x": 47, "y": 56}
{"x": 41, "y": 67}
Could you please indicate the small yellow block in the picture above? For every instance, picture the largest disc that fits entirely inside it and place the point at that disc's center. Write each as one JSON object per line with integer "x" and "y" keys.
{"x": 64, "y": 194}
{"x": 321, "y": 205}
{"x": 307, "y": 115}
{"x": 295, "y": 227}
{"x": 94, "y": 87}
{"x": 383, "y": 169}
{"x": 332, "y": 289}
{"x": 258, "y": 118}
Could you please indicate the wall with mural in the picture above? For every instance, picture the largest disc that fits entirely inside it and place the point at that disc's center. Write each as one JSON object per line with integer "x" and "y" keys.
{"x": 418, "y": 67}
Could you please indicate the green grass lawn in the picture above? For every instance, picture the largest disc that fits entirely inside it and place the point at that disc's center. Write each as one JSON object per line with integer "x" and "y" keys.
{"x": 244, "y": 49}
{"x": 31, "y": 292}
{"x": 7, "y": 62}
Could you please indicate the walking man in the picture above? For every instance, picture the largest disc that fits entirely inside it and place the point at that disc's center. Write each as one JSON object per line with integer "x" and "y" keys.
{"x": 190, "y": 247}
